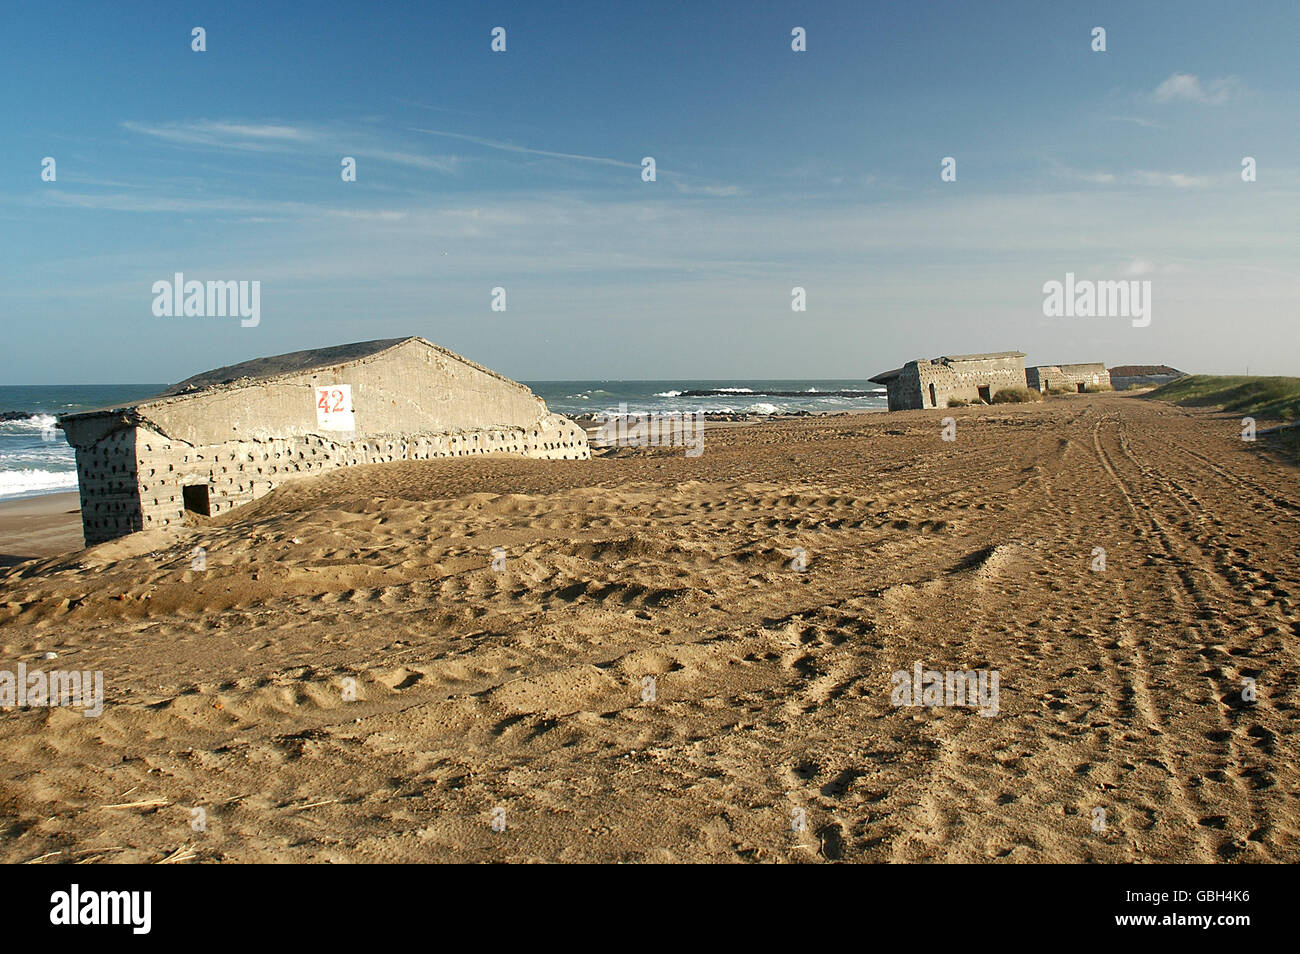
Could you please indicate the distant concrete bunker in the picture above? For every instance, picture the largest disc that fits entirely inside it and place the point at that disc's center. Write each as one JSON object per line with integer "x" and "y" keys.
{"x": 977, "y": 378}
{"x": 229, "y": 436}
{"x": 1069, "y": 377}
{"x": 967, "y": 377}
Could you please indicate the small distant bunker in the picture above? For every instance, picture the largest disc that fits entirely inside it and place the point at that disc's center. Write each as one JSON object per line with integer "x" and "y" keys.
{"x": 227, "y": 437}
{"x": 967, "y": 377}
{"x": 1069, "y": 377}
{"x": 1142, "y": 376}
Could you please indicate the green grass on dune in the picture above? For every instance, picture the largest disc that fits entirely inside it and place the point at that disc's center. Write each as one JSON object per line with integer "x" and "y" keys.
{"x": 1257, "y": 396}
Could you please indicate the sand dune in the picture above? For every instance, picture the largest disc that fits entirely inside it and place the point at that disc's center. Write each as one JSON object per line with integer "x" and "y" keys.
{"x": 528, "y": 688}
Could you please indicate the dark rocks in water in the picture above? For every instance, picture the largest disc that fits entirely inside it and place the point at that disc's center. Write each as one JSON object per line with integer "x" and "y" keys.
{"x": 596, "y": 420}
{"x": 16, "y": 415}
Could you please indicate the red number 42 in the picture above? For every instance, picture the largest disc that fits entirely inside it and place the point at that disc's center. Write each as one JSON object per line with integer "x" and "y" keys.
{"x": 324, "y": 401}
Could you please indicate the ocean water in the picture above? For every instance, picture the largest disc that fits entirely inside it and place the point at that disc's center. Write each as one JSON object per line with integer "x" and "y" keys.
{"x": 35, "y": 457}
{"x": 735, "y": 396}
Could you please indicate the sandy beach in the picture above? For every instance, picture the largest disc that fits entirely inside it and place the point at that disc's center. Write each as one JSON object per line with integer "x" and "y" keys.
{"x": 41, "y": 526}
{"x": 649, "y": 657}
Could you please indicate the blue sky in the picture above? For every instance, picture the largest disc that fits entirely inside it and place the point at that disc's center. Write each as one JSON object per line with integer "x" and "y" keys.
{"x": 522, "y": 169}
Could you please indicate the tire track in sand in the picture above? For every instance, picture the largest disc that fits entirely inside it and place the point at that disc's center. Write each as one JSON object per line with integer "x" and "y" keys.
{"x": 1179, "y": 577}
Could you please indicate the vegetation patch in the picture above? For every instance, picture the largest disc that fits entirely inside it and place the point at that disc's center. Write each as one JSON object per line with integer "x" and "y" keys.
{"x": 1016, "y": 396}
{"x": 1271, "y": 397}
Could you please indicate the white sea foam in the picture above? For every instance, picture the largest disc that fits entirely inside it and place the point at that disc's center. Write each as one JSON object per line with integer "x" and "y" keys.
{"x": 26, "y": 425}
{"x": 38, "y": 458}
{"x": 20, "y": 483}
{"x": 668, "y": 394}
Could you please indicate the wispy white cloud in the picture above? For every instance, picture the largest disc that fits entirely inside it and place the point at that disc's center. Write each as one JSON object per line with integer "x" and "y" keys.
{"x": 1132, "y": 177}
{"x": 513, "y": 147}
{"x": 120, "y": 202}
{"x": 1178, "y": 180}
{"x": 261, "y": 131}
{"x": 225, "y": 135}
{"x": 1186, "y": 87}
{"x": 684, "y": 184}
{"x": 280, "y": 137}
{"x": 446, "y": 164}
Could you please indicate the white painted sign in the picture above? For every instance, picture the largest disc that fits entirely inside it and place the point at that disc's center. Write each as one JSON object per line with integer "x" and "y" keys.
{"x": 334, "y": 408}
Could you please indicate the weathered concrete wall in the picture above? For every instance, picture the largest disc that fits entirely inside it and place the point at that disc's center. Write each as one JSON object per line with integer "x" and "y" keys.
{"x": 1068, "y": 376}
{"x": 107, "y": 480}
{"x": 904, "y": 391}
{"x": 961, "y": 380}
{"x": 413, "y": 402}
{"x": 237, "y": 472}
{"x": 1036, "y": 376}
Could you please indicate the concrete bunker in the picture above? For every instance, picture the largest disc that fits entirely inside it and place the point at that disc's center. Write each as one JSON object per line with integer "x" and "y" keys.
{"x": 966, "y": 377}
{"x": 1076, "y": 378}
{"x": 226, "y": 437}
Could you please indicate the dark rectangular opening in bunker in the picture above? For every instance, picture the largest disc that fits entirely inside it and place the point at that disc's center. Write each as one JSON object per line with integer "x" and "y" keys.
{"x": 196, "y": 498}
{"x": 1081, "y": 388}
{"x": 985, "y": 396}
